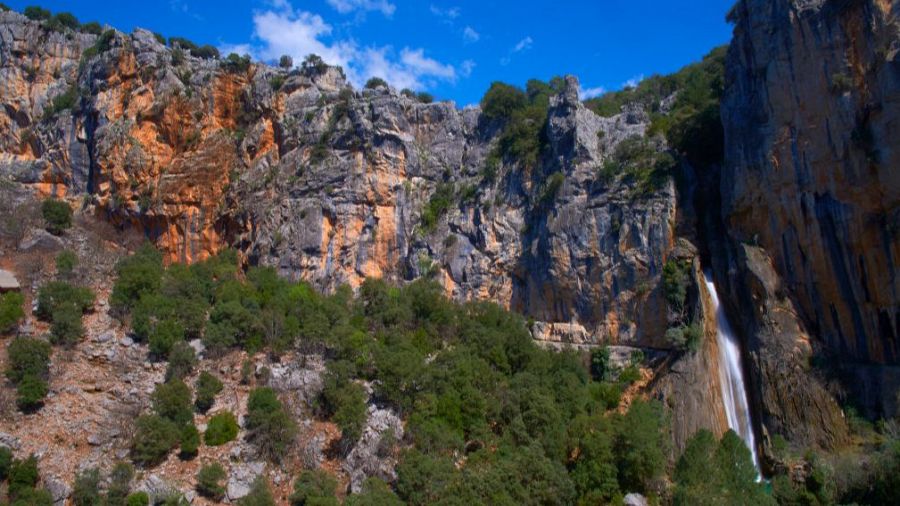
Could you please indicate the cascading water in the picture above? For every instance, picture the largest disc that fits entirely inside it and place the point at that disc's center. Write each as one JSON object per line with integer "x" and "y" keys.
{"x": 731, "y": 375}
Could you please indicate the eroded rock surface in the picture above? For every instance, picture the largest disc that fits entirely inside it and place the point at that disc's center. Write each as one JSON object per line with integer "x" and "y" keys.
{"x": 811, "y": 173}
{"x": 299, "y": 172}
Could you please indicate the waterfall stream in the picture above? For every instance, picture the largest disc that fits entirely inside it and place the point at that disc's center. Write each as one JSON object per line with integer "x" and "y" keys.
{"x": 731, "y": 375}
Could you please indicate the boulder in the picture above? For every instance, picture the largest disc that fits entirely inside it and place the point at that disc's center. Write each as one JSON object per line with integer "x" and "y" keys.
{"x": 241, "y": 478}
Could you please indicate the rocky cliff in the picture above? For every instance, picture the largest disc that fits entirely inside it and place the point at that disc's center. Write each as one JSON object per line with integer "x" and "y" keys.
{"x": 298, "y": 171}
{"x": 810, "y": 177}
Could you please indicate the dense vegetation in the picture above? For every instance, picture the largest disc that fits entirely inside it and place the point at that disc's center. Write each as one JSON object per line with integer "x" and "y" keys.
{"x": 468, "y": 378}
{"x": 523, "y": 115}
{"x": 691, "y": 122}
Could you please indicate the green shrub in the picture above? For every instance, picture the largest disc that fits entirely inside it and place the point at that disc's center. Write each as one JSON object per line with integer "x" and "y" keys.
{"x": 425, "y": 98}
{"x": 269, "y": 426}
{"x": 66, "y": 261}
{"x": 314, "y": 63}
{"x": 502, "y": 100}
{"x": 206, "y": 52}
{"x": 601, "y": 367}
{"x": 11, "y": 310}
{"x": 222, "y": 428}
{"x": 376, "y": 82}
{"x": 138, "y": 499}
{"x": 551, "y": 187}
{"x": 350, "y": 412}
{"x": 181, "y": 361}
{"x": 183, "y": 43}
{"x": 6, "y": 460}
{"x": 374, "y": 493}
{"x": 92, "y": 27}
{"x": 35, "y": 13}
{"x": 260, "y": 494}
{"x": 154, "y": 438}
{"x": 286, "y": 62}
{"x": 440, "y": 202}
{"x": 166, "y": 334}
{"x": 27, "y": 357}
{"x": 676, "y": 278}
{"x": 137, "y": 275}
{"x": 841, "y": 83}
{"x": 58, "y": 294}
{"x": 686, "y": 337}
{"x": 23, "y": 476}
{"x": 63, "y": 21}
{"x": 190, "y": 442}
{"x": 718, "y": 473}
{"x": 30, "y": 393}
{"x": 209, "y": 481}
{"x": 630, "y": 375}
{"x": 119, "y": 484}
{"x": 208, "y": 387}
{"x": 314, "y": 487}
{"x": 66, "y": 329}
{"x": 86, "y": 488}
{"x": 236, "y": 63}
{"x": 57, "y": 214}
{"x": 172, "y": 400}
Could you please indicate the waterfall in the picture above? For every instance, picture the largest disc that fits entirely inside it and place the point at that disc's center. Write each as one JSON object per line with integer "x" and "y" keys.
{"x": 731, "y": 375}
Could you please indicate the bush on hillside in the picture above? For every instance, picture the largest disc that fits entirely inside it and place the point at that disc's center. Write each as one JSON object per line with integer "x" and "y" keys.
{"x": 154, "y": 438}
{"x": 270, "y": 427}
{"x": 222, "y": 428}
{"x": 11, "y": 311}
{"x": 190, "y": 442}
{"x": 376, "y": 82}
{"x": 208, "y": 387}
{"x": 57, "y": 213}
{"x": 57, "y": 294}
{"x": 86, "y": 488}
{"x": 314, "y": 487}
{"x": 260, "y": 494}
{"x": 172, "y": 401}
{"x": 182, "y": 360}
{"x": 209, "y": 481}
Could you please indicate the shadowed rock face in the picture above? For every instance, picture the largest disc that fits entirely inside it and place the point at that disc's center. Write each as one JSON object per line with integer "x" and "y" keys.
{"x": 810, "y": 121}
{"x": 298, "y": 172}
{"x": 810, "y": 180}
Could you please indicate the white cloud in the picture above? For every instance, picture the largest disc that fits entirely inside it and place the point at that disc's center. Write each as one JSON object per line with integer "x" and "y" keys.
{"x": 470, "y": 35}
{"x": 284, "y": 30}
{"x": 417, "y": 62}
{"x": 347, "y": 6}
{"x": 450, "y": 13}
{"x": 297, "y": 35}
{"x": 240, "y": 49}
{"x": 633, "y": 82}
{"x": 523, "y": 45}
{"x": 589, "y": 93}
{"x": 466, "y": 68}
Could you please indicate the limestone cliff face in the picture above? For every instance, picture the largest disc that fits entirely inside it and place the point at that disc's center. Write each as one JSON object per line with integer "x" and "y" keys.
{"x": 298, "y": 171}
{"x": 811, "y": 170}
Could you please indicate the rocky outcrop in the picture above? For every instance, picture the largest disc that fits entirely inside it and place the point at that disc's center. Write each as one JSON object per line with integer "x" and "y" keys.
{"x": 810, "y": 176}
{"x": 298, "y": 171}
{"x": 688, "y": 383}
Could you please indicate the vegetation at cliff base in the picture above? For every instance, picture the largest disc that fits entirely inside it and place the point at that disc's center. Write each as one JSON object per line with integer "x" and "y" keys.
{"x": 467, "y": 378}
{"x": 57, "y": 214}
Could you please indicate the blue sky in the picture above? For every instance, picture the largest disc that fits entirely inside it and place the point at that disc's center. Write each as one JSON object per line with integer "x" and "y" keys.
{"x": 452, "y": 49}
